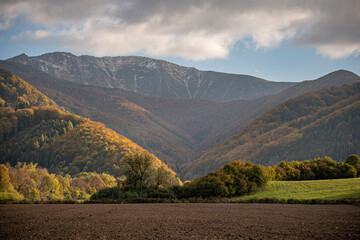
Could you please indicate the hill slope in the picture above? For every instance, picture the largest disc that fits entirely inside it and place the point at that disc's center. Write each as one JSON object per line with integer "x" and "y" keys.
{"x": 151, "y": 77}
{"x": 62, "y": 142}
{"x": 209, "y": 122}
{"x": 312, "y": 125}
{"x": 16, "y": 93}
{"x": 125, "y": 117}
{"x": 59, "y": 141}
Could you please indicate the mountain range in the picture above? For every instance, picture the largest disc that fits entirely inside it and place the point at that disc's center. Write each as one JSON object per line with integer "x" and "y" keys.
{"x": 183, "y": 132}
{"x": 151, "y": 77}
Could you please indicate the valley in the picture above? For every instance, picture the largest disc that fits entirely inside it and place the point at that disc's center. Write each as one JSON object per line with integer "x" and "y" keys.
{"x": 178, "y": 131}
{"x": 140, "y": 119}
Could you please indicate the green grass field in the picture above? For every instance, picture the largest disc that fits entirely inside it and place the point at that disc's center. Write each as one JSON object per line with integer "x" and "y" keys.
{"x": 317, "y": 189}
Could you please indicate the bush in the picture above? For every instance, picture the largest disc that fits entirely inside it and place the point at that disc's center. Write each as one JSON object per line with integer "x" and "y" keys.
{"x": 107, "y": 193}
{"x": 235, "y": 178}
{"x": 354, "y": 160}
{"x": 160, "y": 193}
{"x": 122, "y": 194}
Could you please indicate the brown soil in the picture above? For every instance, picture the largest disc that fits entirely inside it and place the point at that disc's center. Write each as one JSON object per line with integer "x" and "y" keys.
{"x": 179, "y": 221}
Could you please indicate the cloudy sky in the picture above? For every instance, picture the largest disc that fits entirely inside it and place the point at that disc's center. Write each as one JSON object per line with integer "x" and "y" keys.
{"x": 280, "y": 40}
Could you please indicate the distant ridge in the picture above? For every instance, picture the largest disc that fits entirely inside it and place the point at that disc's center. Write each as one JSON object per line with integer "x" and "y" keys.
{"x": 209, "y": 123}
{"x": 151, "y": 77}
{"x": 315, "y": 124}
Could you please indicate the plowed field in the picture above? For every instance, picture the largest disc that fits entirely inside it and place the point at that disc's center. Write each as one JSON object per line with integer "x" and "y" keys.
{"x": 179, "y": 221}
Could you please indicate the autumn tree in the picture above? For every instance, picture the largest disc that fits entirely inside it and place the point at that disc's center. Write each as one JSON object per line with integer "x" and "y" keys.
{"x": 162, "y": 176}
{"x": 97, "y": 183}
{"x": 5, "y": 184}
{"x": 138, "y": 169}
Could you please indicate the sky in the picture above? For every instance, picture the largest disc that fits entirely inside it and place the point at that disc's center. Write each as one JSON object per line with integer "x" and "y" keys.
{"x": 278, "y": 40}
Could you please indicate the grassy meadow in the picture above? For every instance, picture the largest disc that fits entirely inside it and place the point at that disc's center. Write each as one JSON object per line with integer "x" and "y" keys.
{"x": 315, "y": 189}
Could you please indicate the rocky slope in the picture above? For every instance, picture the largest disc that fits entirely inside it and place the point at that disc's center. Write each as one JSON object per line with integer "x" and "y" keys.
{"x": 151, "y": 77}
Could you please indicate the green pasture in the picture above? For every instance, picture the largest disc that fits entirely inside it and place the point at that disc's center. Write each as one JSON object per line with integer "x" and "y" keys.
{"x": 315, "y": 189}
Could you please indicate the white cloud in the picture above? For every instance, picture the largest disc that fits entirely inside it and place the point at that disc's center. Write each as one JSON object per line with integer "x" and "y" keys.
{"x": 35, "y": 36}
{"x": 195, "y": 30}
{"x": 339, "y": 50}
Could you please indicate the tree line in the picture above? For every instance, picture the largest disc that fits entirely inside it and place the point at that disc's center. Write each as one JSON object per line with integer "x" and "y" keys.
{"x": 139, "y": 179}
{"x": 137, "y": 172}
{"x": 234, "y": 179}
{"x": 30, "y": 182}
{"x": 319, "y": 168}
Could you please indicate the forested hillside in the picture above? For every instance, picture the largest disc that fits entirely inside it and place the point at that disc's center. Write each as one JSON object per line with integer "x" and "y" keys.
{"x": 16, "y": 93}
{"x": 61, "y": 142}
{"x": 167, "y": 142}
{"x": 209, "y": 122}
{"x": 175, "y": 130}
{"x": 322, "y": 123}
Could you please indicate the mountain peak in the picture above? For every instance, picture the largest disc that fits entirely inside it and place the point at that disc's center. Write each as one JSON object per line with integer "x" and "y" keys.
{"x": 19, "y": 57}
{"x": 340, "y": 73}
{"x": 59, "y": 53}
{"x": 340, "y": 76}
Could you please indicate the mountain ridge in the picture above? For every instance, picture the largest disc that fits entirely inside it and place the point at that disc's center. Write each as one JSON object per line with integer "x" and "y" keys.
{"x": 151, "y": 77}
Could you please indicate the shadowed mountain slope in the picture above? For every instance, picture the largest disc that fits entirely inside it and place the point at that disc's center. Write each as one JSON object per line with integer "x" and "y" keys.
{"x": 315, "y": 124}
{"x": 210, "y": 122}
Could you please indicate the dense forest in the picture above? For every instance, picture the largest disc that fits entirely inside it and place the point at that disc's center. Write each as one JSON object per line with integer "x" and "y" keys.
{"x": 319, "y": 168}
{"x": 111, "y": 107}
{"x": 61, "y": 142}
{"x": 16, "y": 93}
{"x": 322, "y": 123}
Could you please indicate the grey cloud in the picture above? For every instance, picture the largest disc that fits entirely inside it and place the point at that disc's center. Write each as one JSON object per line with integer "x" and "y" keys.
{"x": 333, "y": 21}
{"x": 193, "y": 29}
{"x": 49, "y": 12}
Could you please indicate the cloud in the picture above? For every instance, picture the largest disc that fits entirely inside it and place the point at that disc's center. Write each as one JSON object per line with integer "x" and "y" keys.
{"x": 196, "y": 30}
